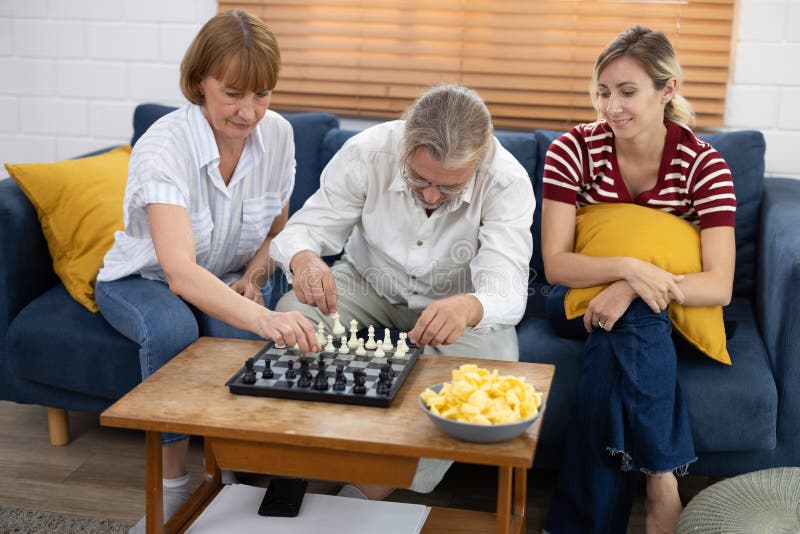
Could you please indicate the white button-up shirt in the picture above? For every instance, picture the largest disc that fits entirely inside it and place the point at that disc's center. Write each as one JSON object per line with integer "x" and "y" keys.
{"x": 480, "y": 244}
{"x": 177, "y": 162}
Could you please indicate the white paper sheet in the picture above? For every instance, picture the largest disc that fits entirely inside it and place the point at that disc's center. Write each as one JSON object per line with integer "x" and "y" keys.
{"x": 235, "y": 509}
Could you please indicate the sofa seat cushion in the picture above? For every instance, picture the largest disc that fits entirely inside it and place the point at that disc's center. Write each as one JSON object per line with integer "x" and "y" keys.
{"x": 57, "y": 342}
{"x": 538, "y": 343}
{"x": 732, "y": 408}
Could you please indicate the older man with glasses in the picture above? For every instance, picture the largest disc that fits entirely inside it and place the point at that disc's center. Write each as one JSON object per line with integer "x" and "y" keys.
{"x": 434, "y": 217}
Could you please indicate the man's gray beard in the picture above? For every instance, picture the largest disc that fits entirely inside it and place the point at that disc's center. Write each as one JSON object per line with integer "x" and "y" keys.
{"x": 421, "y": 203}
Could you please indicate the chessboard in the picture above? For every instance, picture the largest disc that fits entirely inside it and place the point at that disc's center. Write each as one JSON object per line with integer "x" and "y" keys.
{"x": 346, "y": 378}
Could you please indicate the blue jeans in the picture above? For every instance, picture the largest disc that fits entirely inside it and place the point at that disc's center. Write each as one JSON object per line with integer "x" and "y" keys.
{"x": 159, "y": 321}
{"x": 630, "y": 417}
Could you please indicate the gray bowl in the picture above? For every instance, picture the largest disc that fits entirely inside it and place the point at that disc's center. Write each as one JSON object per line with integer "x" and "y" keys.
{"x": 478, "y": 433}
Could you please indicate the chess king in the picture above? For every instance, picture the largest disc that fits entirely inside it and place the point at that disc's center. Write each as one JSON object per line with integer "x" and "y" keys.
{"x": 434, "y": 218}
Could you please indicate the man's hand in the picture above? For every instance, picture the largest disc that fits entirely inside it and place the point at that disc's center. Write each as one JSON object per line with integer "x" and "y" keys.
{"x": 444, "y": 321}
{"x": 607, "y": 307}
{"x": 313, "y": 281}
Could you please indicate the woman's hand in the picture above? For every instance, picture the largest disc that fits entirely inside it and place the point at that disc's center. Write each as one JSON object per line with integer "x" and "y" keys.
{"x": 247, "y": 287}
{"x": 608, "y": 306}
{"x": 288, "y": 328}
{"x": 657, "y": 287}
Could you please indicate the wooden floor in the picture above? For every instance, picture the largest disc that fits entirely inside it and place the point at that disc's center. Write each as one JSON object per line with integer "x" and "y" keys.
{"x": 101, "y": 473}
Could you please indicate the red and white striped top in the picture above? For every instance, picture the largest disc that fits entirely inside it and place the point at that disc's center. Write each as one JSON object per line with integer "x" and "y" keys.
{"x": 694, "y": 182}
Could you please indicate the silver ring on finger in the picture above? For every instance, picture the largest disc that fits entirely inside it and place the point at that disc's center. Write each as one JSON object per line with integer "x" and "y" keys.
{"x": 601, "y": 324}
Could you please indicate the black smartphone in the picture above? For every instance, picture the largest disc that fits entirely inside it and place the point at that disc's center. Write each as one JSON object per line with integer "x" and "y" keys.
{"x": 283, "y": 498}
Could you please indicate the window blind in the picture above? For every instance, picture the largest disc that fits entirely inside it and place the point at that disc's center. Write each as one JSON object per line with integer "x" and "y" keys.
{"x": 530, "y": 60}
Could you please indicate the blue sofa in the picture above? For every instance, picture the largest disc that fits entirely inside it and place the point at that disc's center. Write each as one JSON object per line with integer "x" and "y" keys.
{"x": 745, "y": 417}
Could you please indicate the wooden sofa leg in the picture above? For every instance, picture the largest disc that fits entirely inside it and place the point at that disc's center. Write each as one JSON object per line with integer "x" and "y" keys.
{"x": 58, "y": 421}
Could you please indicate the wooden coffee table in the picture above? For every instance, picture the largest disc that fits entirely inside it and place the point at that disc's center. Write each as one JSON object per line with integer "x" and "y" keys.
{"x": 317, "y": 440}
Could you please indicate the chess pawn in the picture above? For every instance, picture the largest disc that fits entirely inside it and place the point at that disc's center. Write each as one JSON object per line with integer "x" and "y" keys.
{"x": 321, "y": 338}
{"x": 353, "y": 343}
{"x": 343, "y": 348}
{"x": 338, "y": 327}
{"x": 370, "y": 344}
{"x": 329, "y": 347}
{"x": 280, "y": 346}
{"x": 361, "y": 351}
{"x": 400, "y": 352}
{"x": 387, "y": 340}
{"x": 379, "y": 351}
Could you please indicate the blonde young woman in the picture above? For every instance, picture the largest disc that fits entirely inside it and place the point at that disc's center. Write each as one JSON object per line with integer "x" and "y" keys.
{"x": 630, "y": 416}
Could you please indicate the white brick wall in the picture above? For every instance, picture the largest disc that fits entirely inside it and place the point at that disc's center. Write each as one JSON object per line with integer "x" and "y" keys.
{"x": 71, "y": 72}
{"x": 764, "y": 93}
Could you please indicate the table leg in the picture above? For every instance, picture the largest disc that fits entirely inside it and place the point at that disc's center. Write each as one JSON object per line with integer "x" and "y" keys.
{"x": 153, "y": 483}
{"x": 202, "y": 496}
{"x": 511, "y": 514}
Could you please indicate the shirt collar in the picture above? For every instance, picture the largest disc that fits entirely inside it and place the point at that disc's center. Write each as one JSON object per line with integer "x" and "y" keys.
{"x": 207, "y": 150}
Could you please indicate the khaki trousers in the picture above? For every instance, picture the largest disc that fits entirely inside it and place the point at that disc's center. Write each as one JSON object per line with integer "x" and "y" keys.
{"x": 358, "y": 300}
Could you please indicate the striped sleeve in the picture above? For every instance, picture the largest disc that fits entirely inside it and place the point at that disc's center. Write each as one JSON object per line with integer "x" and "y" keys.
{"x": 711, "y": 187}
{"x": 161, "y": 175}
{"x": 563, "y": 168}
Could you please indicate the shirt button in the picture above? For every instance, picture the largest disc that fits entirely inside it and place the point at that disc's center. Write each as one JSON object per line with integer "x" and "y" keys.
{"x": 413, "y": 277}
{"x": 419, "y": 243}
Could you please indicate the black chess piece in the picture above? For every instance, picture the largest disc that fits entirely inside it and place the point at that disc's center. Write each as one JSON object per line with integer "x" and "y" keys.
{"x": 305, "y": 377}
{"x": 340, "y": 383}
{"x": 267, "y": 372}
{"x": 383, "y": 386}
{"x": 249, "y": 376}
{"x": 321, "y": 380}
{"x": 359, "y": 378}
{"x": 320, "y": 361}
{"x": 290, "y": 372}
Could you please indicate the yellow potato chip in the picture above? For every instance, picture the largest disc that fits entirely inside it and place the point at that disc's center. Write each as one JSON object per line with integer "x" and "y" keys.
{"x": 478, "y": 396}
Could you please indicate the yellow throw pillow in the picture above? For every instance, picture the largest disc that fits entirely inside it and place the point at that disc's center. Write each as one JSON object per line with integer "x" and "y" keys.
{"x": 79, "y": 203}
{"x": 667, "y": 241}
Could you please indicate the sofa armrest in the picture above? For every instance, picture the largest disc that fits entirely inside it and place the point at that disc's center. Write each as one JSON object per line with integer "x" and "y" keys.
{"x": 26, "y": 269}
{"x": 778, "y": 306}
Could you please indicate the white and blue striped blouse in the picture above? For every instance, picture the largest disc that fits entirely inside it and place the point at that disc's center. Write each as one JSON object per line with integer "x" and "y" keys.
{"x": 176, "y": 162}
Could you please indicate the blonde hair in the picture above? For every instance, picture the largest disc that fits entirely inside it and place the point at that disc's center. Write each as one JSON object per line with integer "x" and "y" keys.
{"x": 234, "y": 47}
{"x": 653, "y": 51}
{"x": 453, "y": 123}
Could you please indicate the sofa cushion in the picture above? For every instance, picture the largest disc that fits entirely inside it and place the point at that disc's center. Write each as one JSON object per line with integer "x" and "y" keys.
{"x": 310, "y": 129}
{"x": 744, "y": 153}
{"x": 732, "y": 408}
{"x": 538, "y": 343}
{"x": 78, "y": 202}
{"x": 57, "y": 342}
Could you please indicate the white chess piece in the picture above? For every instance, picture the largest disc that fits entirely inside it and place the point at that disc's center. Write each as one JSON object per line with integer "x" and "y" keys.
{"x": 321, "y": 338}
{"x": 338, "y": 327}
{"x": 353, "y": 343}
{"x": 401, "y": 343}
{"x": 296, "y": 346}
{"x": 370, "y": 344}
{"x": 379, "y": 351}
{"x": 343, "y": 348}
{"x": 360, "y": 351}
{"x": 329, "y": 347}
{"x": 280, "y": 346}
{"x": 387, "y": 340}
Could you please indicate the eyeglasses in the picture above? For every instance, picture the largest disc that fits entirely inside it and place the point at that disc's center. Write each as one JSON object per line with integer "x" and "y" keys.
{"x": 417, "y": 183}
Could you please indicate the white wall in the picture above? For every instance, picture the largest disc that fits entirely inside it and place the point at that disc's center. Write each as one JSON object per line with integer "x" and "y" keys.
{"x": 764, "y": 93}
{"x": 71, "y": 72}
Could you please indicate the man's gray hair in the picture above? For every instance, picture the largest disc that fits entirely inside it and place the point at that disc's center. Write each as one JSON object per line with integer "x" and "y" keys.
{"x": 453, "y": 123}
